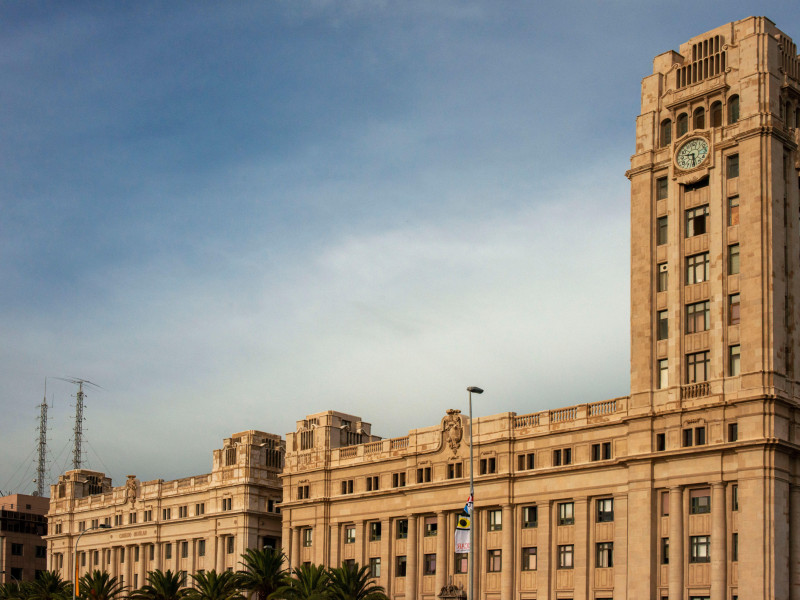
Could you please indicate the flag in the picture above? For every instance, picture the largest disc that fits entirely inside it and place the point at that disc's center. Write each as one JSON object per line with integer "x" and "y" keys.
{"x": 462, "y": 528}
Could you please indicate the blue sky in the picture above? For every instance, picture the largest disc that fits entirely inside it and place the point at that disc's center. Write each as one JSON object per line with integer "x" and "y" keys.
{"x": 231, "y": 215}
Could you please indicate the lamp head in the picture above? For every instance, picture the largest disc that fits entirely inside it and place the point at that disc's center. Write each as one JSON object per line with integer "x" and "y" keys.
{"x": 474, "y": 390}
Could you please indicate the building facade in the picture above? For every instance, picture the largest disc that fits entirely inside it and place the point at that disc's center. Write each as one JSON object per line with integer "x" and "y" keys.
{"x": 23, "y": 551}
{"x": 191, "y": 524}
{"x": 688, "y": 488}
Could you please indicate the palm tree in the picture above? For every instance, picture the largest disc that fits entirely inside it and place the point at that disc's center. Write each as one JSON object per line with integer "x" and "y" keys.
{"x": 263, "y": 572}
{"x": 349, "y": 582}
{"x": 162, "y": 586}
{"x": 308, "y": 582}
{"x": 99, "y": 585}
{"x": 49, "y": 586}
{"x": 13, "y": 590}
{"x": 212, "y": 586}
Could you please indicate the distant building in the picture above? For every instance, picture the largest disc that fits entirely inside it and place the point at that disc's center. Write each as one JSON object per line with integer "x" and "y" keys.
{"x": 689, "y": 488}
{"x": 23, "y": 551}
{"x": 191, "y": 524}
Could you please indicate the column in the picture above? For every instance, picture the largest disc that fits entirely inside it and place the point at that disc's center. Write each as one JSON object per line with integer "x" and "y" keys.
{"x": 676, "y": 554}
{"x": 142, "y": 564}
{"x": 336, "y": 529}
{"x": 794, "y": 542}
{"x": 295, "y": 561}
{"x": 441, "y": 551}
{"x": 411, "y": 560}
{"x": 583, "y": 554}
{"x": 509, "y": 564}
{"x": 286, "y": 540}
{"x": 361, "y": 542}
{"x": 719, "y": 539}
{"x": 220, "y": 566}
{"x": 114, "y": 566}
{"x": 386, "y": 537}
{"x": 157, "y": 551}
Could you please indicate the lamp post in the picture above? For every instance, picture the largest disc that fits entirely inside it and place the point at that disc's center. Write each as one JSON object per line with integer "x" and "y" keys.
{"x": 471, "y": 569}
{"x": 75, "y": 557}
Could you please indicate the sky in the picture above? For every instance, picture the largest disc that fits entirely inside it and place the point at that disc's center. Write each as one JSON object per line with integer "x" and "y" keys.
{"x": 230, "y": 215}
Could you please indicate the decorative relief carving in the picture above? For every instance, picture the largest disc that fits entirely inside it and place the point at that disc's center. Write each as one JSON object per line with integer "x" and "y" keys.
{"x": 453, "y": 429}
{"x": 131, "y": 489}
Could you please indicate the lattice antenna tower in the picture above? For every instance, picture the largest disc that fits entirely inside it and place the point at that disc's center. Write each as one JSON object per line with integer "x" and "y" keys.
{"x": 40, "y": 468}
{"x": 78, "y": 430}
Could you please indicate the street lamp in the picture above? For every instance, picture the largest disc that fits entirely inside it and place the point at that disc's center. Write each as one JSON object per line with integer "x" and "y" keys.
{"x": 471, "y": 569}
{"x": 75, "y": 557}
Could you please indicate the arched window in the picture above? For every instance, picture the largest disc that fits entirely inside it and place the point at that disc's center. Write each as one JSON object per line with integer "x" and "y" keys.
{"x": 716, "y": 114}
{"x": 733, "y": 109}
{"x": 665, "y": 135}
{"x": 699, "y": 118}
{"x": 683, "y": 124}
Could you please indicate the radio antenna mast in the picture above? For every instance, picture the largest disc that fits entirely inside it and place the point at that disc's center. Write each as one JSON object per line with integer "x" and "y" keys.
{"x": 40, "y": 469}
{"x": 78, "y": 431}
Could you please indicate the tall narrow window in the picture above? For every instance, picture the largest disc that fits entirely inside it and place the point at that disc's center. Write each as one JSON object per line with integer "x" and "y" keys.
{"x": 665, "y": 134}
{"x": 699, "y": 118}
{"x": 734, "y": 360}
{"x": 663, "y": 278}
{"x": 529, "y": 559}
{"x": 733, "y": 210}
{"x": 663, "y": 373}
{"x": 494, "y": 561}
{"x": 662, "y": 188}
{"x": 733, "y": 432}
{"x": 733, "y": 309}
{"x": 697, "y": 267}
{"x": 661, "y": 231}
{"x": 698, "y": 317}
{"x": 402, "y": 529}
{"x": 697, "y": 367}
{"x": 696, "y": 221}
{"x": 495, "y": 520}
{"x": 732, "y": 166}
{"x": 663, "y": 325}
{"x": 700, "y": 548}
{"x": 530, "y": 517}
{"x": 733, "y": 109}
{"x": 565, "y": 556}
{"x": 716, "y": 114}
{"x": 733, "y": 259}
{"x": 566, "y": 513}
{"x": 605, "y": 510}
{"x": 605, "y": 555}
{"x": 683, "y": 124}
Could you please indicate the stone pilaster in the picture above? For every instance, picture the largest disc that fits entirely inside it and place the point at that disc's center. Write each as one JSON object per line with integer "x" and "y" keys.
{"x": 676, "y": 554}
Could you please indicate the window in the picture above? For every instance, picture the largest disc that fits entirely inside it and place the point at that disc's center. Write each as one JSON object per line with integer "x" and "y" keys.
{"x": 16, "y": 549}
{"x": 302, "y": 492}
{"x": 605, "y": 510}
{"x": 347, "y": 486}
{"x": 697, "y": 367}
{"x": 372, "y": 483}
{"x": 400, "y": 566}
{"x": 526, "y": 462}
{"x": 166, "y": 514}
{"x": 601, "y": 451}
{"x": 733, "y": 210}
{"x": 683, "y": 124}
{"x": 40, "y": 552}
{"x": 733, "y": 109}
{"x": 429, "y": 564}
{"x": 663, "y": 278}
{"x": 494, "y": 561}
{"x": 402, "y": 529}
{"x": 700, "y": 501}
{"x": 732, "y": 166}
{"x": 270, "y": 505}
{"x": 696, "y": 221}
{"x": 431, "y": 526}
{"x": 488, "y": 465}
{"x": 82, "y": 524}
{"x": 687, "y": 437}
{"x": 454, "y": 470}
{"x": 349, "y": 534}
{"x": 699, "y": 548}
{"x": 530, "y": 517}
{"x": 399, "y": 479}
{"x": 308, "y": 537}
{"x": 183, "y": 512}
{"x": 735, "y": 498}
{"x": 605, "y": 555}
{"x": 184, "y": 549}
{"x": 661, "y": 442}
{"x": 424, "y": 475}
{"x": 136, "y": 554}
{"x": 375, "y": 531}
{"x": 562, "y": 456}
{"x": 167, "y": 551}
{"x": 201, "y": 547}
{"x": 698, "y": 317}
{"x": 147, "y": 516}
{"x": 529, "y": 562}
{"x": 716, "y": 114}
{"x": 733, "y": 259}
{"x": 699, "y": 118}
{"x": 661, "y": 231}
{"x": 663, "y": 325}
{"x": 663, "y": 373}
{"x": 152, "y": 551}
{"x": 16, "y": 572}
{"x": 83, "y": 559}
{"x": 733, "y": 432}
{"x": 96, "y": 522}
{"x": 495, "y": 520}
{"x": 697, "y": 268}
{"x": 227, "y": 503}
{"x": 662, "y": 188}
{"x": 565, "y": 556}
{"x": 735, "y": 547}
{"x": 461, "y": 563}
{"x": 375, "y": 567}
{"x": 734, "y": 361}
{"x": 665, "y": 133}
{"x": 230, "y": 542}
{"x": 699, "y": 436}
{"x": 733, "y": 309}
{"x": 566, "y": 513}
{"x": 665, "y": 551}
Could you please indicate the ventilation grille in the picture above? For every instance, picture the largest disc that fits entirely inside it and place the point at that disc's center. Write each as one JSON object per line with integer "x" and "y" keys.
{"x": 708, "y": 60}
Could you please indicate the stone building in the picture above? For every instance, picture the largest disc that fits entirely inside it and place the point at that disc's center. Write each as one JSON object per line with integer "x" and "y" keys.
{"x": 686, "y": 489}
{"x": 23, "y": 551}
{"x": 191, "y": 524}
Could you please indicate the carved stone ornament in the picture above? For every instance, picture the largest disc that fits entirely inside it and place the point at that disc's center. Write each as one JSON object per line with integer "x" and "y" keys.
{"x": 453, "y": 592}
{"x": 130, "y": 489}
{"x": 453, "y": 430}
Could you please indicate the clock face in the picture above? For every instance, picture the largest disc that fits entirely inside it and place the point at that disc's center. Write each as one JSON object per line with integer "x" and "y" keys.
{"x": 692, "y": 154}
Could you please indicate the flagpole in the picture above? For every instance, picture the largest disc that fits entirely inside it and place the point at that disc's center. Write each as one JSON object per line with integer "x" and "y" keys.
{"x": 471, "y": 568}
